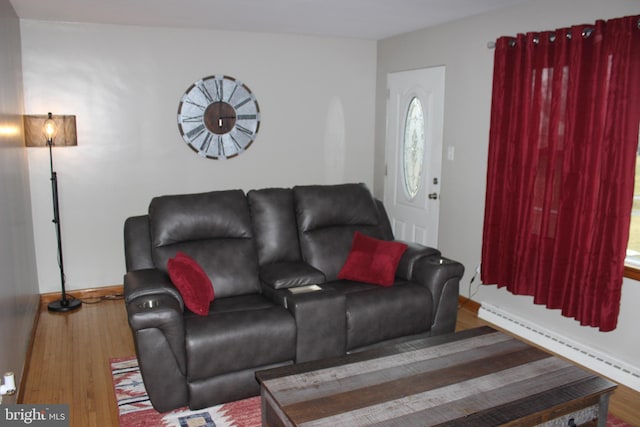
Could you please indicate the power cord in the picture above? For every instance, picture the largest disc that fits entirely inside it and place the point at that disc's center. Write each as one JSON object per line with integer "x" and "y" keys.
{"x": 103, "y": 298}
{"x": 470, "y": 294}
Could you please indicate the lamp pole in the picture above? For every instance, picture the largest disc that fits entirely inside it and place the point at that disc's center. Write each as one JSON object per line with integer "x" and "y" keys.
{"x": 64, "y": 304}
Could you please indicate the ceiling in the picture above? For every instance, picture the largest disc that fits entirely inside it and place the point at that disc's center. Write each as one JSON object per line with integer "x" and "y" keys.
{"x": 363, "y": 19}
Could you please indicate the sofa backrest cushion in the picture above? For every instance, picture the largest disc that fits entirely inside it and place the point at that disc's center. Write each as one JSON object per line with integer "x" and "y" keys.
{"x": 215, "y": 230}
{"x": 274, "y": 224}
{"x": 328, "y": 217}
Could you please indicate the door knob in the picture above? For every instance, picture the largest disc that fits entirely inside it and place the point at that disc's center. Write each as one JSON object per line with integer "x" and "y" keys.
{"x": 433, "y": 196}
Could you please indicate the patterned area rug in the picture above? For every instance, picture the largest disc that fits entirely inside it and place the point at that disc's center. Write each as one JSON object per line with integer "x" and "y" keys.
{"x": 136, "y": 410}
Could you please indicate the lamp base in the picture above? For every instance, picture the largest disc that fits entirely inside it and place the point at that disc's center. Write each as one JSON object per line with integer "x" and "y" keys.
{"x": 64, "y": 306}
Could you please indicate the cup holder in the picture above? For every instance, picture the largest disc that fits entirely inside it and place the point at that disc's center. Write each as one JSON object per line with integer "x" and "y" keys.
{"x": 149, "y": 304}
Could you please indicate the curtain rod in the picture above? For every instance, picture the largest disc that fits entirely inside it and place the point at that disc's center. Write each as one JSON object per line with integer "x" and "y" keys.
{"x": 585, "y": 33}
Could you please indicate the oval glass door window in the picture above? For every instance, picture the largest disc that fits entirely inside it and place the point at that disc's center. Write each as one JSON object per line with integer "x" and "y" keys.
{"x": 413, "y": 148}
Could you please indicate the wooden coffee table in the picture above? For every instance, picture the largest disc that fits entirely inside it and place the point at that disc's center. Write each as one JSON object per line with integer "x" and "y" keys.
{"x": 477, "y": 377}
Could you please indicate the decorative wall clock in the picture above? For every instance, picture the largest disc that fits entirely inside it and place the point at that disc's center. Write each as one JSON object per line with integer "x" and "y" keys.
{"x": 218, "y": 117}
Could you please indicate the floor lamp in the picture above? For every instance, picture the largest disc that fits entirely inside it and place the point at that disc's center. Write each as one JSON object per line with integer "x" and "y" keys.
{"x": 52, "y": 126}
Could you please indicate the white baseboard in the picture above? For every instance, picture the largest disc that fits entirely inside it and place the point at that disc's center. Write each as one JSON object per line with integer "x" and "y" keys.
{"x": 590, "y": 358}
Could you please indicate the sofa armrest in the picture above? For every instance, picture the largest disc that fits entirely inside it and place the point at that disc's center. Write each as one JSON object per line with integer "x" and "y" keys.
{"x": 147, "y": 282}
{"x": 442, "y": 277}
{"x": 321, "y": 324}
{"x": 412, "y": 255}
{"x": 155, "y": 311}
{"x": 159, "y": 311}
{"x": 320, "y": 317}
{"x": 283, "y": 275}
{"x": 153, "y": 302}
{"x": 157, "y": 323}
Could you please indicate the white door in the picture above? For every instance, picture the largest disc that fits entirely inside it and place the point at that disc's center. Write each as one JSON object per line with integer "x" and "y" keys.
{"x": 415, "y": 114}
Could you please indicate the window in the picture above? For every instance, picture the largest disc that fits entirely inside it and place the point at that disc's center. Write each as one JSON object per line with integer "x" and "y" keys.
{"x": 632, "y": 261}
{"x": 413, "y": 158}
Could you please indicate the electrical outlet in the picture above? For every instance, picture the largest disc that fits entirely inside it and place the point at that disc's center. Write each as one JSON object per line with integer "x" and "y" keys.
{"x": 9, "y": 386}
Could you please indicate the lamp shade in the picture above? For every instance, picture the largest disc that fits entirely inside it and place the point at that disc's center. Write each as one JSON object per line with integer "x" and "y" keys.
{"x": 35, "y": 130}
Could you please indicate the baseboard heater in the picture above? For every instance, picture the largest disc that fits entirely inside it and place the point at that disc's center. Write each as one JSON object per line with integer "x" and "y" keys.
{"x": 590, "y": 358}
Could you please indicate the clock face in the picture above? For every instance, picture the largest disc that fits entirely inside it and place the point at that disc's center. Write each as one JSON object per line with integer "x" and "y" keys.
{"x": 218, "y": 117}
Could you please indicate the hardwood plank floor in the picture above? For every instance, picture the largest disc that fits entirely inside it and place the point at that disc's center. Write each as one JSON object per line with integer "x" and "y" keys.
{"x": 71, "y": 351}
{"x": 70, "y": 361}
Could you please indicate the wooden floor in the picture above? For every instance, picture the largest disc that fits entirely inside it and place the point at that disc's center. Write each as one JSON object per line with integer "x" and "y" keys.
{"x": 70, "y": 363}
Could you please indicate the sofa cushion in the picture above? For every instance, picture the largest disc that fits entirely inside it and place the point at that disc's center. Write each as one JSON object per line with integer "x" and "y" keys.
{"x": 372, "y": 260}
{"x": 192, "y": 282}
{"x": 214, "y": 229}
{"x": 274, "y": 224}
{"x": 321, "y": 206}
{"x": 188, "y": 217}
{"x": 328, "y": 216}
{"x": 242, "y": 303}
{"x": 239, "y": 335}
{"x": 376, "y": 314}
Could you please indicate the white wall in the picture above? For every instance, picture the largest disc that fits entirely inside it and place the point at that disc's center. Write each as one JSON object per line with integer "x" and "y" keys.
{"x": 462, "y": 47}
{"x": 18, "y": 279}
{"x": 124, "y": 83}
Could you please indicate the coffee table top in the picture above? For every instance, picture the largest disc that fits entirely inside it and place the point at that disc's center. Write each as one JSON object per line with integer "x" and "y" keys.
{"x": 475, "y": 377}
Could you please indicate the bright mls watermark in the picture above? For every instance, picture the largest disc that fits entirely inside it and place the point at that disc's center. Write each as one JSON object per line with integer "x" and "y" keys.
{"x": 34, "y": 415}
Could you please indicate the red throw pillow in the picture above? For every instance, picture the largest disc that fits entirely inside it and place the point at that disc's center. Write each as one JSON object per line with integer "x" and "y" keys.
{"x": 192, "y": 283}
{"x": 372, "y": 260}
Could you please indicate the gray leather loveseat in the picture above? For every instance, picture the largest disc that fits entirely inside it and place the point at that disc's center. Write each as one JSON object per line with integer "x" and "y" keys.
{"x": 256, "y": 248}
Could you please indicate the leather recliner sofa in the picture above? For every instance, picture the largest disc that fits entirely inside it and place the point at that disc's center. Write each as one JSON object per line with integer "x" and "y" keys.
{"x": 258, "y": 248}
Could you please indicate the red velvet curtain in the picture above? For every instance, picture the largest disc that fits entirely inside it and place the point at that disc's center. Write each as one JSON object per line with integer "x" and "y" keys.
{"x": 562, "y": 150}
